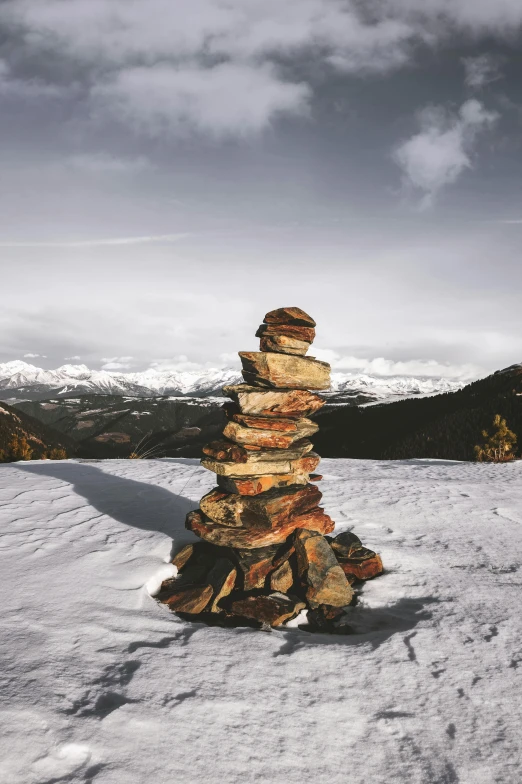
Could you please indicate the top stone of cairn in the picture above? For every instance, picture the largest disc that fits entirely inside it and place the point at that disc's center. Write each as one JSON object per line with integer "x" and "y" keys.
{"x": 290, "y": 316}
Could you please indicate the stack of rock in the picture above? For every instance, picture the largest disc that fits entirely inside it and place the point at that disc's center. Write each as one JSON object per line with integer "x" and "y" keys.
{"x": 264, "y": 555}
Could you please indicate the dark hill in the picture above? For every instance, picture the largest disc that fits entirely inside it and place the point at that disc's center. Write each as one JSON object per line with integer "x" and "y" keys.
{"x": 111, "y": 426}
{"x": 41, "y": 438}
{"x": 445, "y": 426}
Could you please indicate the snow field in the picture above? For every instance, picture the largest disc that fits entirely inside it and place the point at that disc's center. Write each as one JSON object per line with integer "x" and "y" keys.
{"x": 101, "y": 684}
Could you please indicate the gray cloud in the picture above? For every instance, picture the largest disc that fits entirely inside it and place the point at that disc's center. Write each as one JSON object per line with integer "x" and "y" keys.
{"x": 481, "y": 70}
{"x": 221, "y": 69}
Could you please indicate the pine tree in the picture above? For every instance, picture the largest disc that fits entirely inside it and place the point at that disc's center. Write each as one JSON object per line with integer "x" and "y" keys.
{"x": 499, "y": 446}
{"x": 19, "y": 448}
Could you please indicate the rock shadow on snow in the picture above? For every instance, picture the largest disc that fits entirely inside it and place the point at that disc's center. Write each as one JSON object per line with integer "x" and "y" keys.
{"x": 137, "y": 504}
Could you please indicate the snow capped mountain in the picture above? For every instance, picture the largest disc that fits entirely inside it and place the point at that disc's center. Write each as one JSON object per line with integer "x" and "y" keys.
{"x": 20, "y": 379}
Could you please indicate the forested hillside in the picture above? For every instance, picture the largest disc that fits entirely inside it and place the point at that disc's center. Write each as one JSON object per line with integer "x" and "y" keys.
{"x": 445, "y": 426}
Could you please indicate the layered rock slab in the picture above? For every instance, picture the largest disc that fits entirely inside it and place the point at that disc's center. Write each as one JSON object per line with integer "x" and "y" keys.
{"x": 288, "y": 403}
{"x": 283, "y": 370}
{"x": 315, "y": 519}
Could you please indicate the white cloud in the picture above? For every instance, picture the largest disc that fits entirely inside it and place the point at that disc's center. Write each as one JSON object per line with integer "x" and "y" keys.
{"x": 103, "y": 163}
{"x": 481, "y": 70}
{"x": 116, "y": 363}
{"x": 158, "y": 238}
{"x": 227, "y": 99}
{"x": 441, "y": 151}
{"x": 33, "y": 356}
{"x": 176, "y": 364}
{"x": 75, "y": 357}
{"x": 418, "y": 368}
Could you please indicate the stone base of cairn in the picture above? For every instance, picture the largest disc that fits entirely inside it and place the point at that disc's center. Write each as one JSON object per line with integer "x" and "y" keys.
{"x": 265, "y": 554}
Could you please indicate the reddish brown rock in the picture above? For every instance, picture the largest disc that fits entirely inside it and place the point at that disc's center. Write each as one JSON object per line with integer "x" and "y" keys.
{"x": 288, "y": 403}
{"x": 222, "y": 578}
{"x": 363, "y": 570}
{"x": 267, "y": 510}
{"x": 354, "y": 559}
{"x": 289, "y": 316}
{"x": 188, "y": 598}
{"x": 272, "y": 610}
{"x": 315, "y": 477}
{"x": 282, "y": 344}
{"x": 283, "y": 370}
{"x": 251, "y": 538}
{"x": 282, "y": 578}
{"x": 225, "y": 450}
{"x": 318, "y": 568}
{"x": 270, "y": 423}
{"x": 255, "y": 565}
{"x": 269, "y": 439}
{"x": 253, "y": 485}
{"x": 181, "y": 558}
{"x": 302, "y": 334}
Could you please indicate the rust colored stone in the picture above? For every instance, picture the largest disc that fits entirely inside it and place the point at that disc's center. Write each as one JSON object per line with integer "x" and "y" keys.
{"x": 270, "y": 423}
{"x": 225, "y": 450}
{"x": 282, "y": 370}
{"x": 325, "y": 580}
{"x": 253, "y": 485}
{"x": 268, "y": 439}
{"x": 282, "y": 578}
{"x": 272, "y": 610}
{"x": 289, "y": 316}
{"x": 222, "y": 578}
{"x": 302, "y": 334}
{"x": 181, "y": 558}
{"x": 250, "y": 538}
{"x": 355, "y": 559}
{"x": 288, "y": 403}
{"x": 267, "y": 510}
{"x": 315, "y": 477}
{"x": 281, "y": 344}
{"x": 364, "y": 569}
{"x": 255, "y": 565}
{"x": 188, "y": 598}
{"x": 260, "y": 461}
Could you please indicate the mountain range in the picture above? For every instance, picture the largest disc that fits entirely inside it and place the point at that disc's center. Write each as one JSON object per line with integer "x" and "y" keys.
{"x": 22, "y": 381}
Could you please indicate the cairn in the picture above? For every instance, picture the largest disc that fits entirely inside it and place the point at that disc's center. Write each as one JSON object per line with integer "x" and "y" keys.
{"x": 265, "y": 554}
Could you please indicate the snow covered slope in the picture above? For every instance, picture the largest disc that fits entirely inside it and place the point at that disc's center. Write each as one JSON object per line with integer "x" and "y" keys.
{"x": 100, "y": 684}
{"x": 24, "y": 381}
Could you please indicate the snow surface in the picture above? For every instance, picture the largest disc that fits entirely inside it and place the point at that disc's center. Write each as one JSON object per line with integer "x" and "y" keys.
{"x": 101, "y": 684}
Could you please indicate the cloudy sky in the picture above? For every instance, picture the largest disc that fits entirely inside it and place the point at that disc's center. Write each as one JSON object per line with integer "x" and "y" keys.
{"x": 172, "y": 169}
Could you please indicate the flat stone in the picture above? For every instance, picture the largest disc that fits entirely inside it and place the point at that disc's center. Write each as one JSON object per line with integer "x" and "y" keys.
{"x": 283, "y": 370}
{"x": 267, "y": 510}
{"x": 289, "y": 316}
{"x": 302, "y": 334}
{"x": 267, "y": 438}
{"x": 251, "y": 468}
{"x": 282, "y": 344}
{"x": 364, "y": 569}
{"x": 222, "y": 578}
{"x": 251, "y": 538}
{"x": 181, "y": 558}
{"x": 225, "y": 450}
{"x": 188, "y": 598}
{"x": 282, "y": 578}
{"x": 282, "y": 424}
{"x": 354, "y": 559}
{"x": 255, "y": 565}
{"x": 318, "y": 568}
{"x": 253, "y": 485}
{"x": 294, "y": 403}
{"x": 272, "y": 610}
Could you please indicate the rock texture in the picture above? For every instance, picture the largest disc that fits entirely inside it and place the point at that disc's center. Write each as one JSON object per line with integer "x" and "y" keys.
{"x": 264, "y": 553}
